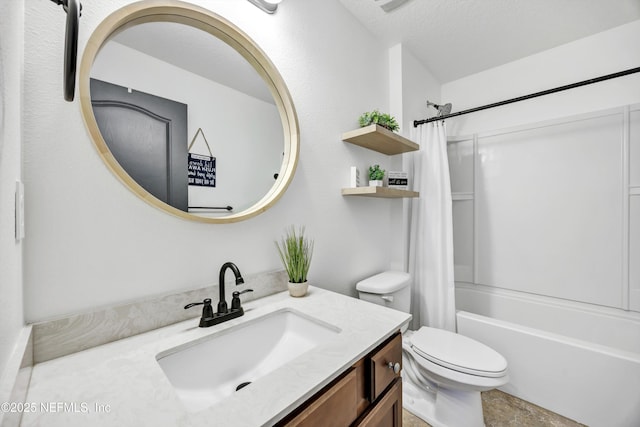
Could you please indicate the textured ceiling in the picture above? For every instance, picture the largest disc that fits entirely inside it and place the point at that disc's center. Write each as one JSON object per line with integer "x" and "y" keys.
{"x": 456, "y": 38}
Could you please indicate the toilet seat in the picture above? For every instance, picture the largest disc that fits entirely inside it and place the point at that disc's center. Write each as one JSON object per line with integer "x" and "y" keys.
{"x": 458, "y": 353}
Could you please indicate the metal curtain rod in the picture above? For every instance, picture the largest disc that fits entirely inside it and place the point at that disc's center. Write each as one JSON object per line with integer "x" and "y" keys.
{"x": 416, "y": 123}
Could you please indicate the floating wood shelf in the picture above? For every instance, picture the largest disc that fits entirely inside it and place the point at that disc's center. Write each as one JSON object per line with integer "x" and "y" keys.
{"x": 382, "y": 192}
{"x": 379, "y": 139}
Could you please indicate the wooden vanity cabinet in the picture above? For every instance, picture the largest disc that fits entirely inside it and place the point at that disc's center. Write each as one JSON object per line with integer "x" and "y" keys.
{"x": 368, "y": 394}
{"x": 381, "y": 366}
{"x": 336, "y": 401}
{"x": 388, "y": 411}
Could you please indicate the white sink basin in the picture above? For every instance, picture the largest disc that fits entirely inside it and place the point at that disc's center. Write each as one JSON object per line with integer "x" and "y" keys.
{"x": 204, "y": 372}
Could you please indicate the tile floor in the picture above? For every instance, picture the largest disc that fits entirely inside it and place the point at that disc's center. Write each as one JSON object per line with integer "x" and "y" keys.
{"x": 502, "y": 409}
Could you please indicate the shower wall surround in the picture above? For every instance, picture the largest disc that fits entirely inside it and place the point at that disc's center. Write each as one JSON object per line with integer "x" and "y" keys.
{"x": 547, "y": 209}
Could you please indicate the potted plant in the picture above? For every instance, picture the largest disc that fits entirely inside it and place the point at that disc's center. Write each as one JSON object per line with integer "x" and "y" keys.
{"x": 295, "y": 252}
{"x": 376, "y": 175}
{"x": 382, "y": 119}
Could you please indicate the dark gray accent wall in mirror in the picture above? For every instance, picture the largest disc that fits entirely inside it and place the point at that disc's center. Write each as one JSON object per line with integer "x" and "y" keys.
{"x": 147, "y": 135}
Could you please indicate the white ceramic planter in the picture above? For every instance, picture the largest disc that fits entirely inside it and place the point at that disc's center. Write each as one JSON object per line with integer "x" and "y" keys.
{"x": 298, "y": 289}
{"x": 375, "y": 183}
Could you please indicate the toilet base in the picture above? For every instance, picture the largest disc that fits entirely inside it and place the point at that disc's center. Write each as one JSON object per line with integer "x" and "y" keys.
{"x": 445, "y": 408}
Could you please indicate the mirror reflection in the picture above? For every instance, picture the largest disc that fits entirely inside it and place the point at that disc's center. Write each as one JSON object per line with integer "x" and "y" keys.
{"x": 187, "y": 118}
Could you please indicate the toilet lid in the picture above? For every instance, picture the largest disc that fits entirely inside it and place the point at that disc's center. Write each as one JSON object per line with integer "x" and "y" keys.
{"x": 458, "y": 352}
{"x": 384, "y": 283}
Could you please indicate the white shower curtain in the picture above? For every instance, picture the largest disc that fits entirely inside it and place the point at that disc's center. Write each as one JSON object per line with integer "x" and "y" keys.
{"x": 431, "y": 231}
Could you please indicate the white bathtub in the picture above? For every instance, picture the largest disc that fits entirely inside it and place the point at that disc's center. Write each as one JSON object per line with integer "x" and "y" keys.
{"x": 577, "y": 360}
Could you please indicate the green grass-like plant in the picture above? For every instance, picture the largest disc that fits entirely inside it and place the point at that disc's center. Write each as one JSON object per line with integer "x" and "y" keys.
{"x": 295, "y": 253}
{"x": 382, "y": 119}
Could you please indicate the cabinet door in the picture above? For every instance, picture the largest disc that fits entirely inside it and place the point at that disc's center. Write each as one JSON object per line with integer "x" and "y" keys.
{"x": 382, "y": 366}
{"x": 388, "y": 411}
{"x": 335, "y": 407}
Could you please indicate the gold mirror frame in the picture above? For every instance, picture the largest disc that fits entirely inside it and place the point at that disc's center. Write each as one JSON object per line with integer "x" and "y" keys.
{"x": 205, "y": 20}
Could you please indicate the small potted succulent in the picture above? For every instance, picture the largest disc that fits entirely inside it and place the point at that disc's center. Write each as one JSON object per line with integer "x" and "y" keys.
{"x": 381, "y": 119}
{"x": 295, "y": 252}
{"x": 376, "y": 176}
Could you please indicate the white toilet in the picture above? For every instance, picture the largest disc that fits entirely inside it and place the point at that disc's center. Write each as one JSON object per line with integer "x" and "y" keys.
{"x": 443, "y": 372}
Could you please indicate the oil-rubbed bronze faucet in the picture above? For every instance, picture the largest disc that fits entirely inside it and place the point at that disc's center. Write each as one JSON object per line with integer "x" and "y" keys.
{"x": 209, "y": 318}
{"x": 222, "y": 302}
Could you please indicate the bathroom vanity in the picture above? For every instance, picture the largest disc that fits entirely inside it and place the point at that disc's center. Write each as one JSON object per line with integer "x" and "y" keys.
{"x": 351, "y": 371}
{"x": 367, "y": 394}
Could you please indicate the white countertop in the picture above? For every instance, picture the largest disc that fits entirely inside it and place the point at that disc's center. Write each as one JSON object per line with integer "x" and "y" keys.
{"x": 121, "y": 384}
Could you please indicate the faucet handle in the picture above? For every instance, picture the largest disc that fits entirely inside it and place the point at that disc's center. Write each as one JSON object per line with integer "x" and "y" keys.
{"x": 207, "y": 310}
{"x": 235, "y": 301}
{"x": 193, "y": 304}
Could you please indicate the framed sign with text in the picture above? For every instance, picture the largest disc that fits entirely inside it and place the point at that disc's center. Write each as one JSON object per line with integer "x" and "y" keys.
{"x": 202, "y": 170}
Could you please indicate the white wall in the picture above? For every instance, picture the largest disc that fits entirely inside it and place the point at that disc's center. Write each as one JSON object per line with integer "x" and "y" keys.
{"x": 11, "y": 44}
{"x": 604, "y": 53}
{"x": 411, "y": 84}
{"x": 93, "y": 243}
{"x": 244, "y": 133}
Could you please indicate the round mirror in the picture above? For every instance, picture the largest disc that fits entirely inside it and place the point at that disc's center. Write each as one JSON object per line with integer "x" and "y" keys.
{"x": 188, "y": 112}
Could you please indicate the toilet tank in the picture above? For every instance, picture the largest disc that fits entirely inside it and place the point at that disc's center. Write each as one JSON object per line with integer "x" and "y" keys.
{"x": 391, "y": 289}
